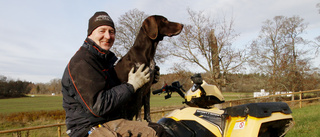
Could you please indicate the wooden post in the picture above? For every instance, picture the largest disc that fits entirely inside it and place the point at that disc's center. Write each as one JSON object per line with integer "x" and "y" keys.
{"x": 230, "y": 104}
{"x": 19, "y": 134}
{"x": 162, "y": 112}
{"x": 59, "y": 131}
{"x": 300, "y": 101}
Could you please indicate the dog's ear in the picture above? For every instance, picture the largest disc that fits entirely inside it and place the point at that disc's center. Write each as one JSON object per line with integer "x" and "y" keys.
{"x": 150, "y": 27}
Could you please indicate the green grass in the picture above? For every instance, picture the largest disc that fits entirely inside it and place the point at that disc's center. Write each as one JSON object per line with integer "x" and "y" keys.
{"x": 160, "y": 101}
{"x": 47, "y": 103}
{"x": 27, "y": 104}
{"x": 307, "y": 122}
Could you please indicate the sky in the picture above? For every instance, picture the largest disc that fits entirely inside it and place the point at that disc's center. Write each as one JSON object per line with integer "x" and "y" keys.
{"x": 38, "y": 38}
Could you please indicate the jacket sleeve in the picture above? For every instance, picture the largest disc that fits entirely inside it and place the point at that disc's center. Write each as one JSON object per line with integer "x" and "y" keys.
{"x": 89, "y": 82}
{"x": 109, "y": 100}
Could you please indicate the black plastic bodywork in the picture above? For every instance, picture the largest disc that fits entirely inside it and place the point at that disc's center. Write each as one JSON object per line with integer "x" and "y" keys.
{"x": 258, "y": 109}
{"x": 185, "y": 128}
{"x": 204, "y": 101}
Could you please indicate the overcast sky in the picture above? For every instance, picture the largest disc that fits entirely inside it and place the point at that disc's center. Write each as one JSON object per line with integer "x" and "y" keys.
{"x": 38, "y": 37}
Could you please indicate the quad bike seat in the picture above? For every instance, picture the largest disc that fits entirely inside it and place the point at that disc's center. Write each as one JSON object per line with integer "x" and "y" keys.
{"x": 258, "y": 109}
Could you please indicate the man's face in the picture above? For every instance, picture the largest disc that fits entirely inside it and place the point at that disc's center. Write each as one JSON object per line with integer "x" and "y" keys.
{"x": 103, "y": 36}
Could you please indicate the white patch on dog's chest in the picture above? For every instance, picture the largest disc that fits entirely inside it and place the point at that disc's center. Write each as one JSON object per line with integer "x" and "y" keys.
{"x": 137, "y": 64}
{"x": 152, "y": 65}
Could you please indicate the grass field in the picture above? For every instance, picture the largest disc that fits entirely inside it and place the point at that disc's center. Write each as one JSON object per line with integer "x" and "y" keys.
{"x": 307, "y": 122}
{"x": 27, "y": 104}
{"x": 40, "y": 102}
{"x": 307, "y": 119}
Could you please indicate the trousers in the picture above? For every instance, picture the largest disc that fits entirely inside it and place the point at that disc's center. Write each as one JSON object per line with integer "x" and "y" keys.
{"x": 128, "y": 128}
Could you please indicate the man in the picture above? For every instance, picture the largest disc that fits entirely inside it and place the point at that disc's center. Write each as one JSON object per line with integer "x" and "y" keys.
{"x": 92, "y": 94}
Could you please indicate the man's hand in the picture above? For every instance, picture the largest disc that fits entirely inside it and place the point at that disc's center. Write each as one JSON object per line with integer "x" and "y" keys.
{"x": 139, "y": 78}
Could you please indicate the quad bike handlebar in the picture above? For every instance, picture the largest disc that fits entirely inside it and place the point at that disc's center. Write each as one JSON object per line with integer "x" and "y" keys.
{"x": 201, "y": 94}
{"x": 158, "y": 91}
{"x": 174, "y": 87}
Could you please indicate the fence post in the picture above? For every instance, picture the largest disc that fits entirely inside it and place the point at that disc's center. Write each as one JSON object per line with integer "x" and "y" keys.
{"x": 19, "y": 134}
{"x": 59, "y": 131}
{"x": 300, "y": 101}
{"x": 230, "y": 104}
{"x": 162, "y": 112}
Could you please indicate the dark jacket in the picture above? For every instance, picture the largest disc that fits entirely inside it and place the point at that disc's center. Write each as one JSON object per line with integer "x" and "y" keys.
{"x": 91, "y": 91}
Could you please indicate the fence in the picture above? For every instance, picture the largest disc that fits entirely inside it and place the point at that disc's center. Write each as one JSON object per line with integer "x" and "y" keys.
{"x": 294, "y": 97}
{"x": 279, "y": 97}
{"x": 18, "y": 131}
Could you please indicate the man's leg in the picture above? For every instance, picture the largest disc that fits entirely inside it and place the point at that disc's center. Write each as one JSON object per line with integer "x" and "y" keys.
{"x": 125, "y": 128}
{"x": 160, "y": 130}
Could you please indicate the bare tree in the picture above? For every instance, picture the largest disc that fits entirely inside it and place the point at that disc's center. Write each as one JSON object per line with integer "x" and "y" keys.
{"x": 275, "y": 53}
{"x": 208, "y": 44}
{"x": 54, "y": 86}
{"x": 317, "y": 43}
{"x": 318, "y": 6}
{"x": 127, "y": 29}
{"x": 317, "y": 39}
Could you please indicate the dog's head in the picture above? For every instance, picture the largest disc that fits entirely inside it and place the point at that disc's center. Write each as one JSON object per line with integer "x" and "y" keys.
{"x": 158, "y": 26}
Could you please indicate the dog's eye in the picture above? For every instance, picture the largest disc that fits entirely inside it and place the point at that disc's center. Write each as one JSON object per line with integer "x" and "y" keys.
{"x": 164, "y": 20}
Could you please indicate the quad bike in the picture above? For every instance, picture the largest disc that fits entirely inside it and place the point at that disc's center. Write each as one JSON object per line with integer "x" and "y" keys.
{"x": 202, "y": 119}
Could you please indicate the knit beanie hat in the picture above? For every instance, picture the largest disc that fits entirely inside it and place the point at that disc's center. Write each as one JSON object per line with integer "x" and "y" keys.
{"x": 98, "y": 19}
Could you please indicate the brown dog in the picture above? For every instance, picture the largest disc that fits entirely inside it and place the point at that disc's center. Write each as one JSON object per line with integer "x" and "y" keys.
{"x": 153, "y": 29}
